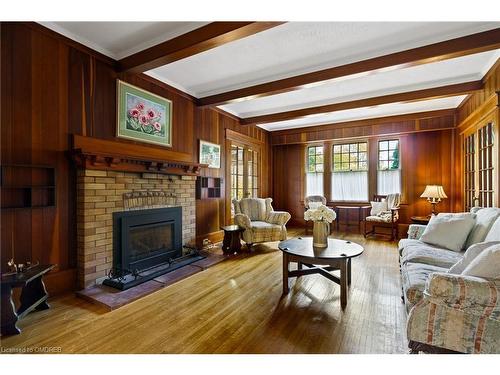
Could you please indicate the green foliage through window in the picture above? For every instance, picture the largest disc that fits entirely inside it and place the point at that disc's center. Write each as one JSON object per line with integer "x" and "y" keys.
{"x": 388, "y": 155}
{"x": 350, "y": 157}
{"x": 315, "y": 159}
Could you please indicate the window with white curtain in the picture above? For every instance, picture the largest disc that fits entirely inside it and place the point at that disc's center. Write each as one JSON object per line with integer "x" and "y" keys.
{"x": 389, "y": 168}
{"x": 314, "y": 172}
{"x": 350, "y": 172}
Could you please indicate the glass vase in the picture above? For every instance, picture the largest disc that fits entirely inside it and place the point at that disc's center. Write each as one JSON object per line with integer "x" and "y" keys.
{"x": 320, "y": 234}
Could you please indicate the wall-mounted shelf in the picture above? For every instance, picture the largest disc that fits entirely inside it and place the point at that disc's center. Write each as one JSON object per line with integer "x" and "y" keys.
{"x": 208, "y": 187}
{"x": 27, "y": 186}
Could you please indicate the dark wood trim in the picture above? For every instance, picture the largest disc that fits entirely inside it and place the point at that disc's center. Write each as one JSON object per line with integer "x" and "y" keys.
{"x": 227, "y": 114}
{"x": 214, "y": 237}
{"x": 242, "y": 138}
{"x": 417, "y": 95}
{"x": 374, "y": 121}
{"x": 210, "y": 36}
{"x": 100, "y": 154}
{"x": 470, "y": 44}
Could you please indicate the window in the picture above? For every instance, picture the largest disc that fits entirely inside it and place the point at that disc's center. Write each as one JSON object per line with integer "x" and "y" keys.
{"x": 479, "y": 166}
{"x": 350, "y": 172}
{"x": 236, "y": 172}
{"x": 244, "y": 172}
{"x": 469, "y": 171}
{"x": 389, "y": 171}
{"x": 253, "y": 173}
{"x": 314, "y": 173}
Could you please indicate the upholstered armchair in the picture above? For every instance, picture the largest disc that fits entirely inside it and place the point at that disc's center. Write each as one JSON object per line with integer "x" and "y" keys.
{"x": 261, "y": 222}
{"x": 385, "y": 219}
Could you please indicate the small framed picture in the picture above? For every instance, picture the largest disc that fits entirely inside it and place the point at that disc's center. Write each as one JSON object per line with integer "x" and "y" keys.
{"x": 210, "y": 154}
{"x": 143, "y": 116}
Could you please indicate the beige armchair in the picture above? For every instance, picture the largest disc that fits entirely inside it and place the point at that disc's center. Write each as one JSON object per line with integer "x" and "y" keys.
{"x": 261, "y": 222}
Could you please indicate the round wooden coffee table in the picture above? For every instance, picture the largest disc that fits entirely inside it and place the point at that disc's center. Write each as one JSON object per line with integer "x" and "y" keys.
{"x": 337, "y": 256}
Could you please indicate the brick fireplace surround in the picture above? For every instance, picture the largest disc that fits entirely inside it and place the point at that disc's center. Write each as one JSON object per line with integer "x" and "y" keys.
{"x": 100, "y": 193}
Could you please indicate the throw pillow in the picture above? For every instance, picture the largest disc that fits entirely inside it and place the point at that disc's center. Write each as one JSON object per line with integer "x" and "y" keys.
{"x": 486, "y": 264}
{"x": 470, "y": 254}
{"x": 449, "y": 230}
{"x": 494, "y": 233}
{"x": 378, "y": 207}
{"x": 485, "y": 217}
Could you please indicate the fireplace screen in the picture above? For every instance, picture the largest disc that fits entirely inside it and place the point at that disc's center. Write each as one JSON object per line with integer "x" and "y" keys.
{"x": 150, "y": 240}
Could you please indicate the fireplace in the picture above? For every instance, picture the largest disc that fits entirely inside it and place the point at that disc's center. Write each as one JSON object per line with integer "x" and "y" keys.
{"x": 146, "y": 244}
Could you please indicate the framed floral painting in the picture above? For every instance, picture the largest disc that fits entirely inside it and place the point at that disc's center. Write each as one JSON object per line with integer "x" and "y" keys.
{"x": 210, "y": 154}
{"x": 143, "y": 116}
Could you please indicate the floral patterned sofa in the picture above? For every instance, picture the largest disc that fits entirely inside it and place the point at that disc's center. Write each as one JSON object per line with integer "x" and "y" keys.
{"x": 261, "y": 222}
{"x": 447, "y": 312}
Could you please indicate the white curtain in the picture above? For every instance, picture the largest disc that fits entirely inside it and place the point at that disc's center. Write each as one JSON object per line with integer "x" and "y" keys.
{"x": 350, "y": 186}
{"x": 389, "y": 182}
{"x": 314, "y": 184}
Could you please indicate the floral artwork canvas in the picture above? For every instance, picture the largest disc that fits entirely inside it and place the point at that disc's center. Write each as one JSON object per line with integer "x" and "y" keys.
{"x": 143, "y": 116}
{"x": 210, "y": 154}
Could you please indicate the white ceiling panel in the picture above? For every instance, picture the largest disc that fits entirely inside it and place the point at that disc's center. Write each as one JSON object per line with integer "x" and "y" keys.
{"x": 384, "y": 110}
{"x": 120, "y": 39}
{"x": 462, "y": 69}
{"x": 301, "y": 47}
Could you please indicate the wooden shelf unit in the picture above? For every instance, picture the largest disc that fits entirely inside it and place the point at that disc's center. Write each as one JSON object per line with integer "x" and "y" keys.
{"x": 208, "y": 187}
{"x": 27, "y": 186}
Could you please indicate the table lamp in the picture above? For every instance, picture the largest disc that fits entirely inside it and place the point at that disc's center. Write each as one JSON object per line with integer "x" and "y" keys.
{"x": 434, "y": 194}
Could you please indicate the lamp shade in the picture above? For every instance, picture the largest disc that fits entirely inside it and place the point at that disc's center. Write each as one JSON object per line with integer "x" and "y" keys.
{"x": 434, "y": 191}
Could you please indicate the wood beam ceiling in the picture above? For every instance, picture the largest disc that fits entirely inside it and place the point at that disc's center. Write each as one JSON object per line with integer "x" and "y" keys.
{"x": 458, "y": 47}
{"x": 210, "y": 36}
{"x": 425, "y": 94}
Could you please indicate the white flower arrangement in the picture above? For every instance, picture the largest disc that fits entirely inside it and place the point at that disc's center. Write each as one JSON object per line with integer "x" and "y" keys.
{"x": 320, "y": 213}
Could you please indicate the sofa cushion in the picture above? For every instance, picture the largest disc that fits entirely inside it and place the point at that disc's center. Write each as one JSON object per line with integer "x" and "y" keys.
{"x": 470, "y": 254}
{"x": 449, "y": 231}
{"x": 416, "y": 252}
{"x": 406, "y": 242}
{"x": 494, "y": 233}
{"x": 414, "y": 276}
{"x": 486, "y": 265}
{"x": 485, "y": 217}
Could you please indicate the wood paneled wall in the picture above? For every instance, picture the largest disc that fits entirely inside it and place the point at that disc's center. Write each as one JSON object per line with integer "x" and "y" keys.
{"x": 475, "y": 101}
{"x": 427, "y": 157}
{"x": 53, "y": 87}
{"x": 213, "y": 126}
{"x": 472, "y": 112}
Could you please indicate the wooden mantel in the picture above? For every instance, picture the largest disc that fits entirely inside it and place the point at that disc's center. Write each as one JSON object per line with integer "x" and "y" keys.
{"x": 101, "y": 154}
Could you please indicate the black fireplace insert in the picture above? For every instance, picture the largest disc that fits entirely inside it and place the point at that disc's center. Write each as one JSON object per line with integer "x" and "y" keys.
{"x": 146, "y": 244}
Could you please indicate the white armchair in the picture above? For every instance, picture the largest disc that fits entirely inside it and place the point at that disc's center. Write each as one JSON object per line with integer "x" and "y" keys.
{"x": 261, "y": 222}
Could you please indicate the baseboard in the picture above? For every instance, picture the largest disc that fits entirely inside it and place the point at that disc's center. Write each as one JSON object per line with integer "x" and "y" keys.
{"x": 60, "y": 282}
{"x": 214, "y": 237}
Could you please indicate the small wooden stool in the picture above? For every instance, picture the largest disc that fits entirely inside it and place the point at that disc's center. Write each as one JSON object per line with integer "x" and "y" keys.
{"x": 232, "y": 240}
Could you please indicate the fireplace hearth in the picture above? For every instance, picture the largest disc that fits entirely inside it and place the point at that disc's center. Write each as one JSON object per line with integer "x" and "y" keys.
{"x": 147, "y": 244}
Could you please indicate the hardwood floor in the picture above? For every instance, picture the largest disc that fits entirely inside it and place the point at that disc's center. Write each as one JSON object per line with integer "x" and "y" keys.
{"x": 237, "y": 307}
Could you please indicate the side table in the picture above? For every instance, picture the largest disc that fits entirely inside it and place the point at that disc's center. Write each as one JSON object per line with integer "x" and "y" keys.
{"x": 232, "y": 239}
{"x": 343, "y": 213}
{"x": 33, "y": 296}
